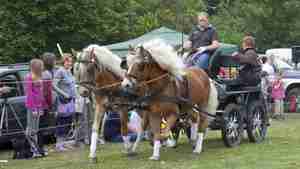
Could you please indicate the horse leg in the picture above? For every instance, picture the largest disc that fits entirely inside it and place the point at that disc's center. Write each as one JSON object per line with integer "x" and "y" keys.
{"x": 155, "y": 121}
{"x": 194, "y": 127}
{"x": 124, "y": 131}
{"x": 139, "y": 133}
{"x": 97, "y": 118}
{"x": 203, "y": 125}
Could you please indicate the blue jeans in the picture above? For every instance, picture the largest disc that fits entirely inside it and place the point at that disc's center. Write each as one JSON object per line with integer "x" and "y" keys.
{"x": 201, "y": 60}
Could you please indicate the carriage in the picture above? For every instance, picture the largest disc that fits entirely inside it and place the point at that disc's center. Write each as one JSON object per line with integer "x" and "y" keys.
{"x": 240, "y": 107}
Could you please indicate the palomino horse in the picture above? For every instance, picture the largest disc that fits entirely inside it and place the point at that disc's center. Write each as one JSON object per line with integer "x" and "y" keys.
{"x": 100, "y": 68}
{"x": 154, "y": 70}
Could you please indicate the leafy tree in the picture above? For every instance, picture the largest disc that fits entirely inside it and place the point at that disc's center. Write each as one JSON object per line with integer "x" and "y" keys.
{"x": 28, "y": 28}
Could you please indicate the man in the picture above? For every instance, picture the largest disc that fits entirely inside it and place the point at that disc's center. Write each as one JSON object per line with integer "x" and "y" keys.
{"x": 250, "y": 70}
{"x": 204, "y": 40}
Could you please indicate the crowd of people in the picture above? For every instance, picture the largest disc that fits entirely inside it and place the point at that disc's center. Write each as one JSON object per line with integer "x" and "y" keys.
{"x": 40, "y": 83}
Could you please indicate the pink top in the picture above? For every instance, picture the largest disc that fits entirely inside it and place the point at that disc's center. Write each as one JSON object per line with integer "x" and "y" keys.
{"x": 278, "y": 90}
{"x": 36, "y": 94}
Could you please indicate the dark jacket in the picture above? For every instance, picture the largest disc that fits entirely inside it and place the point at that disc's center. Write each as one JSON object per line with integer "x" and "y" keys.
{"x": 204, "y": 37}
{"x": 250, "y": 72}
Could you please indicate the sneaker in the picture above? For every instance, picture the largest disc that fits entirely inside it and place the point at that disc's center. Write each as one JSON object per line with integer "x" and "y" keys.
{"x": 60, "y": 148}
{"x": 36, "y": 155}
{"x": 44, "y": 151}
{"x": 101, "y": 141}
{"x": 170, "y": 143}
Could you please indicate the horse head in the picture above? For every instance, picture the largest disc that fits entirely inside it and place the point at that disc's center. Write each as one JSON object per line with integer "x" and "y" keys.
{"x": 141, "y": 67}
{"x": 85, "y": 67}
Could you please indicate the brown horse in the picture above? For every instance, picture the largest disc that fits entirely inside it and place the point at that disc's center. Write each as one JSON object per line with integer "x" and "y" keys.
{"x": 99, "y": 67}
{"x": 153, "y": 70}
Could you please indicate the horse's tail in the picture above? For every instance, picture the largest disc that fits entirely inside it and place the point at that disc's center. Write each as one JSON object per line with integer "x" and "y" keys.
{"x": 213, "y": 102}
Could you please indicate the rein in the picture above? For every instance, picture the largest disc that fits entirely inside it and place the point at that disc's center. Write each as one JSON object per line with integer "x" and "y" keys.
{"x": 143, "y": 83}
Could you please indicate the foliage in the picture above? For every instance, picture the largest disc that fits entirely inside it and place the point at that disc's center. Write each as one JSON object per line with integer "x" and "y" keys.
{"x": 30, "y": 27}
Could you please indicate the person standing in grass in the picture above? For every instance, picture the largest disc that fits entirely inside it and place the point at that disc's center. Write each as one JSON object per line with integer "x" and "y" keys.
{"x": 65, "y": 86}
{"x": 35, "y": 103}
{"x": 278, "y": 95}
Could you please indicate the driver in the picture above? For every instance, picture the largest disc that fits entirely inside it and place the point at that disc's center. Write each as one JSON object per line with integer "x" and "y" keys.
{"x": 203, "y": 40}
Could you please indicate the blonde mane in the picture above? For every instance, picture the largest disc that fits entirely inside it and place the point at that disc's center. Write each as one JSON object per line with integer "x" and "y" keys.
{"x": 165, "y": 55}
{"x": 106, "y": 58}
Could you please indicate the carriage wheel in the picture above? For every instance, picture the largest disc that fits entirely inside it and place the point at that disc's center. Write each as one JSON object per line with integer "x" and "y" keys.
{"x": 256, "y": 122}
{"x": 232, "y": 126}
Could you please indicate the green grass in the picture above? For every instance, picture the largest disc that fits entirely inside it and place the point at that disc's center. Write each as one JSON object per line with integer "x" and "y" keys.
{"x": 281, "y": 150}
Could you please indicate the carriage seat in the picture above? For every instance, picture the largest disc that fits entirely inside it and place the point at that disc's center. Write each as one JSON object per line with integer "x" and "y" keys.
{"x": 233, "y": 85}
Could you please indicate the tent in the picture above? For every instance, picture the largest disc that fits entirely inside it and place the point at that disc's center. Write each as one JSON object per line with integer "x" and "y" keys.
{"x": 170, "y": 36}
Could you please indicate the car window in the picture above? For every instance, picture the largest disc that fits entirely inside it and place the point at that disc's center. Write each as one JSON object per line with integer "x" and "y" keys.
{"x": 12, "y": 81}
{"x": 279, "y": 64}
{"x": 23, "y": 73}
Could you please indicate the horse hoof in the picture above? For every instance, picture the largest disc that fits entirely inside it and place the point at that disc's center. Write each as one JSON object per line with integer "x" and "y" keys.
{"x": 196, "y": 152}
{"x": 154, "y": 158}
{"x": 93, "y": 160}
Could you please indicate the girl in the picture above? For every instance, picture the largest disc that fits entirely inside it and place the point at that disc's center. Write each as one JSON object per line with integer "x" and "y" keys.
{"x": 278, "y": 95}
{"x": 35, "y": 103}
{"x": 65, "y": 87}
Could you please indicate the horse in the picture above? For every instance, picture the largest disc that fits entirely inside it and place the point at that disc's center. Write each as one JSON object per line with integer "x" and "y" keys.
{"x": 99, "y": 67}
{"x": 155, "y": 70}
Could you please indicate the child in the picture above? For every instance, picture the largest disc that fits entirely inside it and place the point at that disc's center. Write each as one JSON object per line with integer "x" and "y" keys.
{"x": 278, "y": 95}
{"x": 35, "y": 104}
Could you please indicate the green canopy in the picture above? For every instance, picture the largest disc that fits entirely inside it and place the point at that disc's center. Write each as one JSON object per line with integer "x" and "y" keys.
{"x": 170, "y": 36}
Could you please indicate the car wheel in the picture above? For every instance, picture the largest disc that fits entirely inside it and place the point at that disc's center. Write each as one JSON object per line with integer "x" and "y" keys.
{"x": 256, "y": 122}
{"x": 232, "y": 125}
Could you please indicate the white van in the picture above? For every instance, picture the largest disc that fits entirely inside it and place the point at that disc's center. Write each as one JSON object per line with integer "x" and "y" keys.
{"x": 284, "y": 54}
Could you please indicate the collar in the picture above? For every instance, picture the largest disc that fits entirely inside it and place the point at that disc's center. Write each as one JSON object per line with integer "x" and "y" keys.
{"x": 245, "y": 50}
{"x": 201, "y": 29}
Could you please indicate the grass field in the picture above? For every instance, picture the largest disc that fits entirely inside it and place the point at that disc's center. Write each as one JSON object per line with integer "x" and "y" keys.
{"x": 281, "y": 150}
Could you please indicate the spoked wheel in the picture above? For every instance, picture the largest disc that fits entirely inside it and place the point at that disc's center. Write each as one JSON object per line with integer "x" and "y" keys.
{"x": 256, "y": 122}
{"x": 232, "y": 127}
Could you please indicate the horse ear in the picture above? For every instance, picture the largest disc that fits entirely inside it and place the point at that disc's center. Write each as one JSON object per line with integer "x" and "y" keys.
{"x": 145, "y": 54}
{"x": 130, "y": 48}
{"x": 124, "y": 64}
{"x": 74, "y": 52}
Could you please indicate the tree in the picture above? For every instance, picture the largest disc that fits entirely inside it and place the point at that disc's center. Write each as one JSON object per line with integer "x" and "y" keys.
{"x": 28, "y": 28}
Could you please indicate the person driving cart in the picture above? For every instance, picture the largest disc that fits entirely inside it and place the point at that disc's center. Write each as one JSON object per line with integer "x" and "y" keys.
{"x": 203, "y": 41}
{"x": 250, "y": 70}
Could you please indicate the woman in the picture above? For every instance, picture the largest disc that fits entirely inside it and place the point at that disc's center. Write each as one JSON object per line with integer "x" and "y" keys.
{"x": 49, "y": 60}
{"x": 65, "y": 85}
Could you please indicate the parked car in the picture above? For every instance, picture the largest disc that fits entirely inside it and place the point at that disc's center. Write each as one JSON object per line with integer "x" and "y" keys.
{"x": 13, "y": 76}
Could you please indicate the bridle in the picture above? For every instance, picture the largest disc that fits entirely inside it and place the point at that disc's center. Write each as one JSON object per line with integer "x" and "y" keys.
{"x": 92, "y": 60}
{"x": 146, "y": 61}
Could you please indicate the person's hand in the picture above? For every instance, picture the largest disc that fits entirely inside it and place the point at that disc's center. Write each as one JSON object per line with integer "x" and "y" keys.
{"x": 187, "y": 44}
{"x": 201, "y": 49}
{"x": 235, "y": 54}
{"x": 35, "y": 113}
